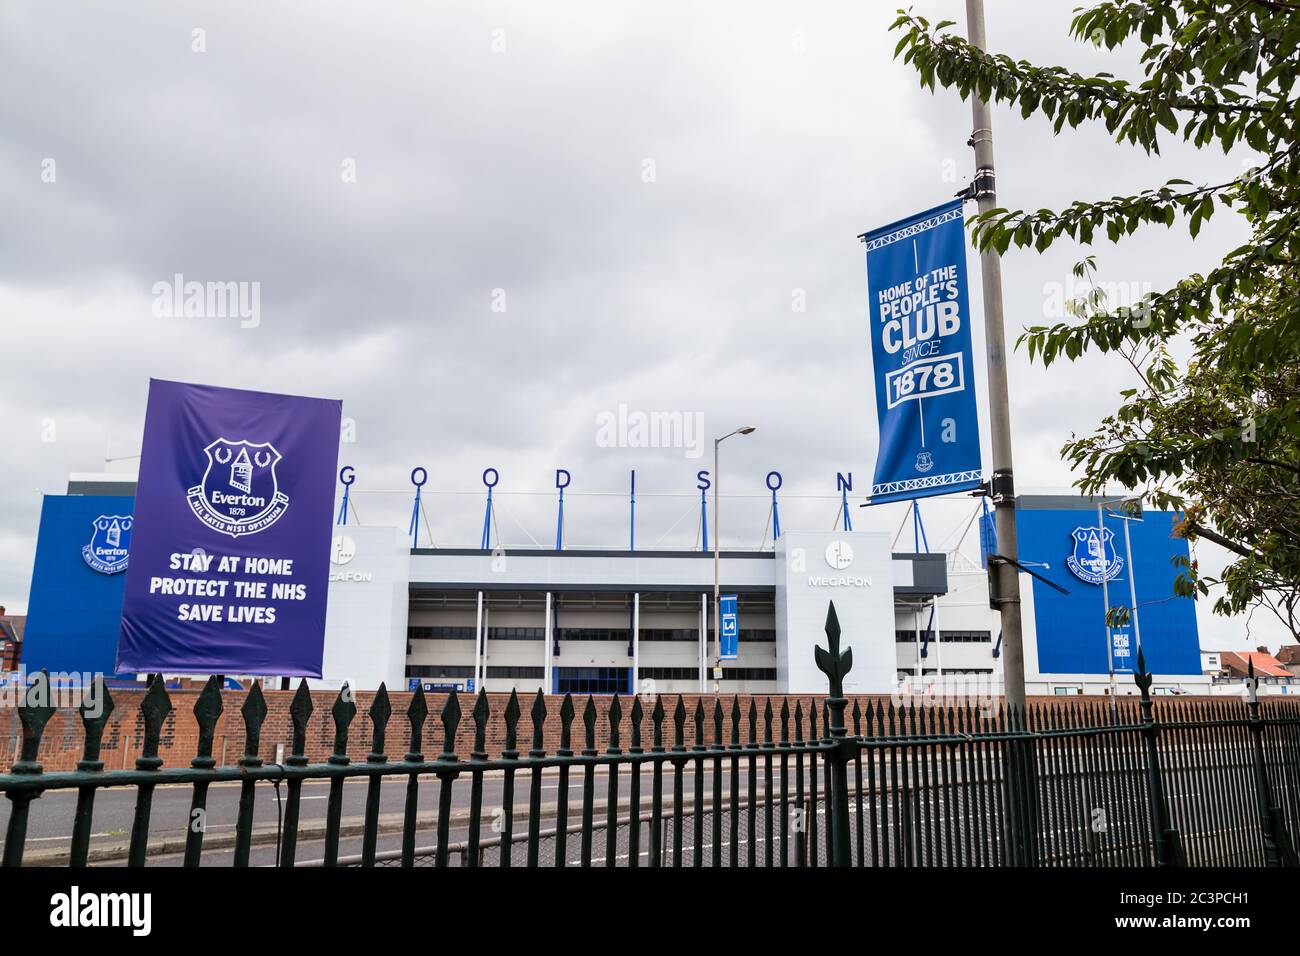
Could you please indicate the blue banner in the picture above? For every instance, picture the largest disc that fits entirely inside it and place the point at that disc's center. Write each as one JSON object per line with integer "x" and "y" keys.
{"x": 929, "y": 441}
{"x": 231, "y": 537}
{"x": 729, "y": 633}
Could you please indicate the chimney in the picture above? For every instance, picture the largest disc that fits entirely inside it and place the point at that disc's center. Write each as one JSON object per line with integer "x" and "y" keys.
{"x": 1262, "y": 649}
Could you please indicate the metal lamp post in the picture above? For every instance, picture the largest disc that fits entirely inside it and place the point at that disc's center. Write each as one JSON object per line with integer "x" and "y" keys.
{"x": 1105, "y": 591}
{"x": 717, "y": 546}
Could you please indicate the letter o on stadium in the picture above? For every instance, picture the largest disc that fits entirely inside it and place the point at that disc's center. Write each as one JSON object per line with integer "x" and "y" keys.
{"x": 770, "y": 476}
{"x": 424, "y": 476}
{"x": 347, "y": 475}
{"x": 495, "y": 477}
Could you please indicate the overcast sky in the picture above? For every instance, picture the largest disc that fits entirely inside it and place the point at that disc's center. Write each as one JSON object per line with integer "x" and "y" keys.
{"x": 484, "y": 225}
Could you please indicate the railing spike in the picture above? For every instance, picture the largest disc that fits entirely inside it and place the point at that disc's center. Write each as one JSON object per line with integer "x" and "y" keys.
{"x": 381, "y": 709}
{"x": 566, "y": 724}
{"x": 300, "y": 711}
{"x": 539, "y": 725}
{"x": 417, "y": 712}
{"x": 679, "y": 722}
{"x": 450, "y": 721}
{"x": 637, "y": 715}
{"x": 589, "y": 723}
{"x": 615, "y": 715}
{"x": 480, "y": 716}
{"x": 34, "y": 712}
{"x": 254, "y": 714}
{"x": 96, "y": 707}
{"x": 207, "y": 711}
{"x": 155, "y": 707}
{"x": 512, "y": 721}
{"x": 343, "y": 711}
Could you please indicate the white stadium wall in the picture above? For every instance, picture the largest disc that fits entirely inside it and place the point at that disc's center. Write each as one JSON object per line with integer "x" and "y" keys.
{"x": 365, "y": 627}
{"x": 855, "y": 570}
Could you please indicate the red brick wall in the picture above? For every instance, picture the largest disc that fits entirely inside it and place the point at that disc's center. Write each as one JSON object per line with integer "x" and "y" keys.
{"x": 63, "y": 739}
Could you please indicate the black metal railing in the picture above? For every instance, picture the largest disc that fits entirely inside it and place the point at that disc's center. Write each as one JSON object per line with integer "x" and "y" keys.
{"x": 1167, "y": 783}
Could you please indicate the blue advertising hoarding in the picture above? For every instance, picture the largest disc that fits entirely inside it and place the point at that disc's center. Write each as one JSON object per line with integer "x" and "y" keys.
{"x": 230, "y": 552}
{"x": 729, "y": 633}
{"x": 1070, "y": 629}
{"x": 74, "y": 607}
{"x": 929, "y": 441}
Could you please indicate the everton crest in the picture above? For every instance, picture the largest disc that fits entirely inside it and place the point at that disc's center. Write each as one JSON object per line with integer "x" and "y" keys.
{"x": 924, "y": 462}
{"x": 1094, "y": 559}
{"x": 110, "y": 544}
{"x": 239, "y": 493}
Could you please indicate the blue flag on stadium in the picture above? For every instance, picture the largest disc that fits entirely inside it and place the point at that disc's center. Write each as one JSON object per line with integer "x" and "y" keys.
{"x": 929, "y": 442}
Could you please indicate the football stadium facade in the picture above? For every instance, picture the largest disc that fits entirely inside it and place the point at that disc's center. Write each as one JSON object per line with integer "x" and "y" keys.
{"x": 605, "y": 621}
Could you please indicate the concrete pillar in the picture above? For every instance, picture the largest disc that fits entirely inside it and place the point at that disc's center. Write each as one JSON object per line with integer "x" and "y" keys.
{"x": 547, "y": 660}
{"x": 636, "y": 643}
{"x": 480, "y": 644}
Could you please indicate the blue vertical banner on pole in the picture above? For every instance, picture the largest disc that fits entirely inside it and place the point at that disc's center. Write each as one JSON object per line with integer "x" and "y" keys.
{"x": 929, "y": 441}
{"x": 230, "y": 548}
{"x": 729, "y": 635}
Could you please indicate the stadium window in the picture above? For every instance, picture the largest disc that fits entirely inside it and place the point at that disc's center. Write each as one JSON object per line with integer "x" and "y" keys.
{"x": 592, "y": 680}
{"x": 440, "y": 633}
{"x": 517, "y": 673}
{"x": 966, "y": 637}
{"x": 670, "y": 634}
{"x": 515, "y": 634}
{"x": 439, "y": 670}
{"x": 619, "y": 634}
{"x": 670, "y": 673}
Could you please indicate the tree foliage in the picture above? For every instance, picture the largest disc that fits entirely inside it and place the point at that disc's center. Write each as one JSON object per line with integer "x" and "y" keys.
{"x": 1216, "y": 436}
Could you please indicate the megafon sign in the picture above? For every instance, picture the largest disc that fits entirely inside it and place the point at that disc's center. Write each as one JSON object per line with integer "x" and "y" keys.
{"x": 839, "y": 555}
{"x": 342, "y": 550}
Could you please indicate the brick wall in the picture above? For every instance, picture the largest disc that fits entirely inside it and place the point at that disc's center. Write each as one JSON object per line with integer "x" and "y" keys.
{"x": 123, "y": 736}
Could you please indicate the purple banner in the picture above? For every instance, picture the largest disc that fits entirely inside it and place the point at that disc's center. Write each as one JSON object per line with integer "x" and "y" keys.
{"x": 230, "y": 549}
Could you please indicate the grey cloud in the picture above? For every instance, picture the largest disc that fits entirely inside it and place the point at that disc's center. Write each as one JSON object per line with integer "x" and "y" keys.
{"x": 521, "y": 171}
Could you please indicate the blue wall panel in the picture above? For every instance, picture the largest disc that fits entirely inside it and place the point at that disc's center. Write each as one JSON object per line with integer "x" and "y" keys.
{"x": 1071, "y": 630}
{"x": 74, "y": 614}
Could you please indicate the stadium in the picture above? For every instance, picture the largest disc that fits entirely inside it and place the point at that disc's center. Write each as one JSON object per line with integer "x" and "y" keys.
{"x": 621, "y": 619}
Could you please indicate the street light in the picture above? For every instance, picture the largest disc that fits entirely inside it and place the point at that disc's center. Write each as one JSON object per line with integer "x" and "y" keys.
{"x": 717, "y": 546}
{"x": 1105, "y": 591}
